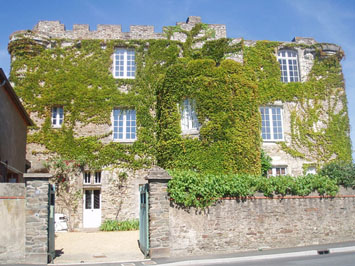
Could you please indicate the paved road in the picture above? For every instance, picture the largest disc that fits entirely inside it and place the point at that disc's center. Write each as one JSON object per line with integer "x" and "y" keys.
{"x": 340, "y": 259}
{"x": 339, "y": 254}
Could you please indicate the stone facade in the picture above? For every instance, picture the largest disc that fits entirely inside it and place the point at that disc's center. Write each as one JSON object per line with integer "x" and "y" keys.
{"x": 233, "y": 225}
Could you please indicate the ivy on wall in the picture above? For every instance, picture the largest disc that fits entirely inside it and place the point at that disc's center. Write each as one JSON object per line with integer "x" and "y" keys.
{"x": 78, "y": 75}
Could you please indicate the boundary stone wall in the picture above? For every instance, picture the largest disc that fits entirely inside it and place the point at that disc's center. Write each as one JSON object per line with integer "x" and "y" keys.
{"x": 24, "y": 220}
{"x": 233, "y": 225}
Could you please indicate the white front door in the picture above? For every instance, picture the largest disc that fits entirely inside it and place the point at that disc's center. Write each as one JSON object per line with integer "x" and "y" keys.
{"x": 92, "y": 208}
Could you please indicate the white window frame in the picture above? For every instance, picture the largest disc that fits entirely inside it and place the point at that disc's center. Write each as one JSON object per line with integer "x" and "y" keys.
{"x": 87, "y": 177}
{"x": 274, "y": 170}
{"x": 271, "y": 121}
{"x": 116, "y": 125}
{"x": 289, "y": 63}
{"x": 122, "y": 58}
{"x": 97, "y": 177}
{"x": 189, "y": 122}
{"x": 57, "y": 116}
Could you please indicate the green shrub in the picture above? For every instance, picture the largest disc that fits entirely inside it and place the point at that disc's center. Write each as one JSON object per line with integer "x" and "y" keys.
{"x": 265, "y": 163}
{"x": 190, "y": 188}
{"x": 114, "y": 225}
{"x": 342, "y": 172}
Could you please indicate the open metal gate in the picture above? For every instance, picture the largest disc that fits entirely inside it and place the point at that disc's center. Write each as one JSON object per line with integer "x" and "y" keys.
{"x": 51, "y": 201}
{"x": 144, "y": 220}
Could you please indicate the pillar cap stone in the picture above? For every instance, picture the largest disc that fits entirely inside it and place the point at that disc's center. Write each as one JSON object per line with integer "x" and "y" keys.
{"x": 37, "y": 176}
{"x": 157, "y": 173}
{"x": 38, "y": 167}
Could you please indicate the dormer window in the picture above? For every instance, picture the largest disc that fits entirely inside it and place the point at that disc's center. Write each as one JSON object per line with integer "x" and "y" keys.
{"x": 57, "y": 116}
{"x": 124, "y": 63}
{"x": 189, "y": 122}
{"x": 288, "y": 60}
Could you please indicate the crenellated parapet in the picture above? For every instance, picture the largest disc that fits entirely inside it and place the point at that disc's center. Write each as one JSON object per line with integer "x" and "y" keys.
{"x": 54, "y": 29}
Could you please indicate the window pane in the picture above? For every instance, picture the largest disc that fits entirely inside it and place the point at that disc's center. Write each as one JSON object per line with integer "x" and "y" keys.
{"x": 189, "y": 119}
{"x": 97, "y": 177}
{"x": 265, "y": 118}
{"x": 88, "y": 195}
{"x": 87, "y": 177}
{"x": 96, "y": 199}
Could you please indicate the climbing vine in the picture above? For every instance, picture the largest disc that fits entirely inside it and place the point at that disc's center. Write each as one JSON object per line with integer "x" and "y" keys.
{"x": 77, "y": 74}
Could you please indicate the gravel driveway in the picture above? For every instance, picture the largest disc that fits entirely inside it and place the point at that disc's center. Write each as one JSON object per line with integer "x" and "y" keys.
{"x": 79, "y": 247}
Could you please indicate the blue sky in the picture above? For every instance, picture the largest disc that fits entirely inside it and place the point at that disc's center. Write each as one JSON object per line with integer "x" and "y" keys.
{"x": 330, "y": 21}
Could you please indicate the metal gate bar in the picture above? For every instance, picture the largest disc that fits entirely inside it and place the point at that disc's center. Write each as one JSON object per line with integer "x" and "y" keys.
{"x": 143, "y": 220}
{"x": 51, "y": 235}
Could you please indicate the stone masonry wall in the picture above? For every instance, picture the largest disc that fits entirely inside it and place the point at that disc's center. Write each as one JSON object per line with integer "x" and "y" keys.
{"x": 233, "y": 225}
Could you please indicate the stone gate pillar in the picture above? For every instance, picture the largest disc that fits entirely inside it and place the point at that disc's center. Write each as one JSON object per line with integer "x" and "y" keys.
{"x": 37, "y": 205}
{"x": 159, "y": 233}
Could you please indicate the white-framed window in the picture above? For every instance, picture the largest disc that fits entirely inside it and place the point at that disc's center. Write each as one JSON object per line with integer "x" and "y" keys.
{"x": 311, "y": 170}
{"x": 277, "y": 171}
{"x": 87, "y": 177}
{"x": 57, "y": 116}
{"x": 124, "y": 63}
{"x": 124, "y": 125}
{"x": 97, "y": 177}
{"x": 288, "y": 60}
{"x": 189, "y": 121}
{"x": 271, "y": 123}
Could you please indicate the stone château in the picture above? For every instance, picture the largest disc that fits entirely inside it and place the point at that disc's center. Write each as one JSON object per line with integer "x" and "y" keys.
{"x": 187, "y": 97}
